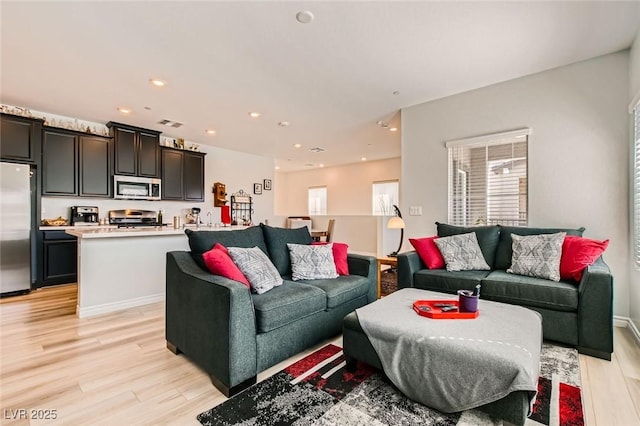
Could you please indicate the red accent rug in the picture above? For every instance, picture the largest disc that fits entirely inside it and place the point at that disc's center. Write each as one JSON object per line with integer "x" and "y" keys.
{"x": 317, "y": 390}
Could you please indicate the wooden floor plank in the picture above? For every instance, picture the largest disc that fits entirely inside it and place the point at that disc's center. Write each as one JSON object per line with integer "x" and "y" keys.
{"x": 115, "y": 368}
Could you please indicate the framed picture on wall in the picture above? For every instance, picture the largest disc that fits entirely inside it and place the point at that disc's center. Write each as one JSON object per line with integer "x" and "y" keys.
{"x": 257, "y": 188}
{"x": 267, "y": 185}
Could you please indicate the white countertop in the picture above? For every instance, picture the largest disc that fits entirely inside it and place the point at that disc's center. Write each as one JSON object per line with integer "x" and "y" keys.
{"x": 115, "y": 232}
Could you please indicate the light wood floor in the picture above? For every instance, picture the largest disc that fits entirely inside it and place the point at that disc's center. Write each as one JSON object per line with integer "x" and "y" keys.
{"x": 115, "y": 368}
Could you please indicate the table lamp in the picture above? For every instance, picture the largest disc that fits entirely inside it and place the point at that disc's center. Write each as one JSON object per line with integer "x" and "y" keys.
{"x": 396, "y": 222}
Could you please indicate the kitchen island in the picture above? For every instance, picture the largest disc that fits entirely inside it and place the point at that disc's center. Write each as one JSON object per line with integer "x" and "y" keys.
{"x": 120, "y": 268}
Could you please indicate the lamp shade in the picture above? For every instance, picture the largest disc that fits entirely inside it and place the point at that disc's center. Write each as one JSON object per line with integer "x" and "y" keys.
{"x": 395, "y": 223}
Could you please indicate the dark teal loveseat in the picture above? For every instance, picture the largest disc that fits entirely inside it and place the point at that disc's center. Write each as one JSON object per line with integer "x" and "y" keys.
{"x": 579, "y": 314}
{"x": 234, "y": 334}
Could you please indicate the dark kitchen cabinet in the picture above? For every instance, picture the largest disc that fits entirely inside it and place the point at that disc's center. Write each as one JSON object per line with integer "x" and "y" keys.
{"x": 76, "y": 164}
{"x": 59, "y": 163}
{"x": 193, "y": 176}
{"x": 60, "y": 258}
{"x": 20, "y": 138}
{"x": 136, "y": 150}
{"x": 182, "y": 175}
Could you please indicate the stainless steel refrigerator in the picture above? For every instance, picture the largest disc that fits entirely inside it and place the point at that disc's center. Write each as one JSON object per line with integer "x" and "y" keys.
{"x": 15, "y": 228}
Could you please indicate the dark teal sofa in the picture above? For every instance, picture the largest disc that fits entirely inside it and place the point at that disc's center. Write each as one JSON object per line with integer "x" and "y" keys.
{"x": 234, "y": 334}
{"x": 579, "y": 314}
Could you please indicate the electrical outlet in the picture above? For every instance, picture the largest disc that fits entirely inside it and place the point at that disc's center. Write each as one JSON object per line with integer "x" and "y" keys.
{"x": 415, "y": 210}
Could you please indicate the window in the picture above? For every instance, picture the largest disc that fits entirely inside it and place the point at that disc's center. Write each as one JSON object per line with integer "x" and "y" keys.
{"x": 384, "y": 196}
{"x": 636, "y": 185}
{"x": 488, "y": 179}
{"x": 317, "y": 201}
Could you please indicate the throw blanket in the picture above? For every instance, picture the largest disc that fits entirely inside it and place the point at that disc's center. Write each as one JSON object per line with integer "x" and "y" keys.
{"x": 455, "y": 365}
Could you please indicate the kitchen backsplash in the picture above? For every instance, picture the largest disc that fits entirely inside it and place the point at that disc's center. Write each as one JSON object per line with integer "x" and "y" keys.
{"x": 52, "y": 207}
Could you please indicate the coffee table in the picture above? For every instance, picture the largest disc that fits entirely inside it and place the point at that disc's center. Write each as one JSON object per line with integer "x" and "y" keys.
{"x": 513, "y": 408}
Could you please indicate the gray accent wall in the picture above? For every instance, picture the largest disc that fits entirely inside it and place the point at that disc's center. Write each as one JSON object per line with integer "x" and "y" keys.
{"x": 578, "y": 152}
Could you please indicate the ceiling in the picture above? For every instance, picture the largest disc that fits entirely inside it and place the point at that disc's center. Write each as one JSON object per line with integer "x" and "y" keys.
{"x": 355, "y": 64}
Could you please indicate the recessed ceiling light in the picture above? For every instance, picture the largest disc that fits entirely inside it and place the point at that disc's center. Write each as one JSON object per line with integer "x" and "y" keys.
{"x": 157, "y": 82}
{"x": 254, "y": 114}
{"x": 393, "y": 129}
{"x": 363, "y": 159}
{"x": 297, "y": 145}
{"x": 277, "y": 167}
{"x": 304, "y": 17}
{"x": 283, "y": 123}
{"x": 211, "y": 131}
{"x": 124, "y": 110}
{"x": 321, "y": 165}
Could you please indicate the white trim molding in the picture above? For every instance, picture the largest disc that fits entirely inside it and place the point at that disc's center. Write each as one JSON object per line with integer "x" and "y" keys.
{"x": 634, "y": 102}
{"x": 625, "y": 322}
{"x": 489, "y": 139}
{"x": 118, "y": 306}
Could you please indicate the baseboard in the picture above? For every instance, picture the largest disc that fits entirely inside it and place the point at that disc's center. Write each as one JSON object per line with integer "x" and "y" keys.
{"x": 626, "y": 322}
{"x": 118, "y": 306}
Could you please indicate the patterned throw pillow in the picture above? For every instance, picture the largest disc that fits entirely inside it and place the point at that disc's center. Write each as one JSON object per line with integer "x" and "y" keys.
{"x": 312, "y": 262}
{"x": 256, "y": 266}
{"x": 537, "y": 255}
{"x": 462, "y": 252}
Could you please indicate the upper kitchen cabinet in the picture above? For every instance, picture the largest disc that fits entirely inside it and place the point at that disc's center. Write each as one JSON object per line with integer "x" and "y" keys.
{"x": 76, "y": 164}
{"x": 137, "y": 150}
{"x": 20, "y": 138}
{"x": 182, "y": 175}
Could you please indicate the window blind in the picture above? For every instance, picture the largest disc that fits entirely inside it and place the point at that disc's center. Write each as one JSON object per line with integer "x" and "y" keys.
{"x": 488, "y": 180}
{"x": 384, "y": 196}
{"x": 636, "y": 185}
{"x": 317, "y": 201}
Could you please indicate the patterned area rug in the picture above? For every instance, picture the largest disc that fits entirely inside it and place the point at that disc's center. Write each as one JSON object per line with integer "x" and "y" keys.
{"x": 317, "y": 390}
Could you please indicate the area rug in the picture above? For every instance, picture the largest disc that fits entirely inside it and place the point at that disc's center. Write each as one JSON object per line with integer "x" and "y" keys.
{"x": 317, "y": 390}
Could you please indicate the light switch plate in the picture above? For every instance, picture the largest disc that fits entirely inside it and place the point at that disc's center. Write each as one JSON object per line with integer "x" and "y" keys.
{"x": 415, "y": 210}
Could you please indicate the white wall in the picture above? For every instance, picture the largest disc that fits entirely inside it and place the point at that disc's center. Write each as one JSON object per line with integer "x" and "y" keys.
{"x": 578, "y": 152}
{"x": 236, "y": 169}
{"x": 634, "y": 273}
{"x": 349, "y": 201}
{"x": 348, "y": 187}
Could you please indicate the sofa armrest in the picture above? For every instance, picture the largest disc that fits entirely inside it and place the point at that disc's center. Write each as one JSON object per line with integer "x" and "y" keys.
{"x": 595, "y": 311}
{"x": 365, "y": 266}
{"x": 408, "y": 263}
{"x": 211, "y": 319}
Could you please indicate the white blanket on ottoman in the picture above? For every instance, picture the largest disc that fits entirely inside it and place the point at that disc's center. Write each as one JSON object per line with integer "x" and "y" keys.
{"x": 454, "y": 365}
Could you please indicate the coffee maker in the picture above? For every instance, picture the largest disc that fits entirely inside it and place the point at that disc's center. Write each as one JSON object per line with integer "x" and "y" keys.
{"x": 84, "y": 215}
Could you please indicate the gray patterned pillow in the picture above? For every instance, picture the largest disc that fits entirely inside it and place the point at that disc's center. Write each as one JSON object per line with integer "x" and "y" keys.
{"x": 312, "y": 262}
{"x": 462, "y": 252}
{"x": 537, "y": 255}
{"x": 256, "y": 266}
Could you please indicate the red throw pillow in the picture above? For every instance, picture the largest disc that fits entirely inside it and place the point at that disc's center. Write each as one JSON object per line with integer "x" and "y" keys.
{"x": 577, "y": 254}
{"x": 339, "y": 256}
{"x": 428, "y": 252}
{"x": 220, "y": 263}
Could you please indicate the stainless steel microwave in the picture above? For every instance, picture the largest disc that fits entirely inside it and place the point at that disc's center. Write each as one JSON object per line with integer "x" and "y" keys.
{"x": 136, "y": 188}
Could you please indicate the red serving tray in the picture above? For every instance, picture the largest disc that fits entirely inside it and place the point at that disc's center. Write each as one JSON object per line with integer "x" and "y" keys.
{"x": 436, "y": 313}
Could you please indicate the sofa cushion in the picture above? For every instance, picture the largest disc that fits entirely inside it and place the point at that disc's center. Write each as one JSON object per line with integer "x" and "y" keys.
{"x": 448, "y": 282}
{"x": 462, "y": 253}
{"x": 219, "y": 262}
{"x": 201, "y": 241}
{"x": 488, "y": 237}
{"x": 286, "y": 304}
{"x": 428, "y": 251}
{"x": 504, "y": 250}
{"x": 530, "y": 291}
{"x": 276, "y": 240}
{"x": 342, "y": 289}
{"x": 340, "y": 255}
{"x": 309, "y": 262}
{"x": 256, "y": 266}
{"x": 577, "y": 254}
{"x": 537, "y": 255}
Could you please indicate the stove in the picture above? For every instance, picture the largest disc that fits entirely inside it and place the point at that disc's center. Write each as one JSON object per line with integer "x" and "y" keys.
{"x": 132, "y": 218}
